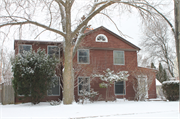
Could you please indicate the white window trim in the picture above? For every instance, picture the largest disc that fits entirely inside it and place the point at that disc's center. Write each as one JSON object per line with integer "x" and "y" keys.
{"x": 88, "y": 56}
{"x": 101, "y": 35}
{"x": 114, "y": 56}
{"x": 23, "y": 45}
{"x": 52, "y": 46}
{"x": 78, "y": 84}
{"x": 59, "y": 89}
{"x": 124, "y": 89}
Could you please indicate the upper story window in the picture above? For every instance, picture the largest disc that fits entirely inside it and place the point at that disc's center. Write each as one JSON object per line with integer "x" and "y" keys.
{"x": 54, "y": 50}
{"x": 118, "y": 57}
{"x": 101, "y": 38}
{"x": 83, "y": 56}
{"x": 23, "y": 47}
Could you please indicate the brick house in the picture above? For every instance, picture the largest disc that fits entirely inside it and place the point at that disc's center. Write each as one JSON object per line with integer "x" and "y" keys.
{"x": 100, "y": 49}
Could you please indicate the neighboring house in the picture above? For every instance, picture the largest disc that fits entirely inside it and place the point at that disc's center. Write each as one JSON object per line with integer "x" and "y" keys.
{"x": 100, "y": 49}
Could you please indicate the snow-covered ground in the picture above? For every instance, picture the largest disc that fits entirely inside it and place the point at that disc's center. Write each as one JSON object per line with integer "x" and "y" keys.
{"x": 98, "y": 110}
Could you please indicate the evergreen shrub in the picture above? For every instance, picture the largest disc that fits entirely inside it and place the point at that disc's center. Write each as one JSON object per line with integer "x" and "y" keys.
{"x": 171, "y": 90}
{"x": 32, "y": 73}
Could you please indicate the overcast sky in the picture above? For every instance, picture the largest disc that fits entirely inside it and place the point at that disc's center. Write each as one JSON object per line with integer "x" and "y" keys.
{"x": 128, "y": 23}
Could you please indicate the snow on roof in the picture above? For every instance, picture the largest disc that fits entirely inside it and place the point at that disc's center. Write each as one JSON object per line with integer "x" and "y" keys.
{"x": 164, "y": 82}
{"x": 158, "y": 83}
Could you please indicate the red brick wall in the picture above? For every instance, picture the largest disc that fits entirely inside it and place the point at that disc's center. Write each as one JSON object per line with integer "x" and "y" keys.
{"x": 101, "y": 59}
{"x": 113, "y": 42}
{"x": 152, "y": 88}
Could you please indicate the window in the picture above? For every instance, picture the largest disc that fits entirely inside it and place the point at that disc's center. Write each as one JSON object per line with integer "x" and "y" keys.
{"x": 55, "y": 87}
{"x": 54, "y": 50}
{"x": 83, "y": 56}
{"x": 24, "y": 48}
{"x": 120, "y": 88}
{"x": 118, "y": 57}
{"x": 84, "y": 85}
{"x": 101, "y": 38}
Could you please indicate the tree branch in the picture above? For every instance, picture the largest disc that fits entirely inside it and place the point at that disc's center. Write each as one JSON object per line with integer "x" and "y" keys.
{"x": 90, "y": 16}
{"x": 114, "y": 24}
{"x": 72, "y": 1}
{"x": 60, "y": 1}
{"x": 63, "y": 20}
{"x": 34, "y": 23}
{"x": 134, "y": 4}
{"x": 78, "y": 40}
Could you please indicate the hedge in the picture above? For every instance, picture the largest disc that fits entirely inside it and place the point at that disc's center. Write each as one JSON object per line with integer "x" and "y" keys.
{"x": 171, "y": 90}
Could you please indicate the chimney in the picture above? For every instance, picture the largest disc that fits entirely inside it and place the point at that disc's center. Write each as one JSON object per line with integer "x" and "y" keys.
{"x": 88, "y": 29}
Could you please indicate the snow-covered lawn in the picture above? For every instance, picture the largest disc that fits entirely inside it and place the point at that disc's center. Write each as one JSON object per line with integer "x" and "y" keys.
{"x": 98, "y": 110}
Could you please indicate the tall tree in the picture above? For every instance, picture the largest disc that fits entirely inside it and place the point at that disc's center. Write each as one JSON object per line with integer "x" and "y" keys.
{"x": 165, "y": 75}
{"x": 158, "y": 44}
{"x": 161, "y": 74}
{"x": 56, "y": 16}
{"x": 152, "y": 65}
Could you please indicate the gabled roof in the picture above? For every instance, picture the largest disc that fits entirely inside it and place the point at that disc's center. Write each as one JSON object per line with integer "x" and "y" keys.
{"x": 112, "y": 33}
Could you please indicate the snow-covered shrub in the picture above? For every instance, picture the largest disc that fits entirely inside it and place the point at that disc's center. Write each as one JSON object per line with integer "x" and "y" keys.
{"x": 54, "y": 103}
{"x": 171, "y": 90}
{"x": 109, "y": 77}
{"x": 32, "y": 74}
{"x": 90, "y": 96}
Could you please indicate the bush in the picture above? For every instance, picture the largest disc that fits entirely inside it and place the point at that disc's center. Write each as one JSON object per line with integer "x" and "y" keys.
{"x": 32, "y": 74}
{"x": 91, "y": 96}
{"x": 54, "y": 103}
{"x": 171, "y": 90}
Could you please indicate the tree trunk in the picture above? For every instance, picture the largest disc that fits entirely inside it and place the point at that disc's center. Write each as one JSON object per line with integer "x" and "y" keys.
{"x": 177, "y": 29}
{"x": 68, "y": 74}
{"x": 107, "y": 93}
{"x": 68, "y": 77}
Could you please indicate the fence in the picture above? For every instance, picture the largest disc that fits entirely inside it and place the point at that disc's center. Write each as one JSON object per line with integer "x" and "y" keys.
{"x": 7, "y": 92}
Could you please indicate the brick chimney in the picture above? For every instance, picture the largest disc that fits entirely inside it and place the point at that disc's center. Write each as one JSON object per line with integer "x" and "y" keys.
{"x": 88, "y": 29}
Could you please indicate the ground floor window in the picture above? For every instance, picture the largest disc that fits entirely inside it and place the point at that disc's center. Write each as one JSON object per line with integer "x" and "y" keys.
{"x": 55, "y": 87}
{"x": 120, "y": 88}
{"x": 83, "y": 85}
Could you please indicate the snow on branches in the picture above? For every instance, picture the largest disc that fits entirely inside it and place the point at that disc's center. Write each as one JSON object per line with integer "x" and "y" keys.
{"x": 110, "y": 77}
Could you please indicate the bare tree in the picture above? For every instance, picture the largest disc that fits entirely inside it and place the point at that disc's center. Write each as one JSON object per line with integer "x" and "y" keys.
{"x": 6, "y": 63}
{"x": 56, "y": 16}
{"x": 158, "y": 44}
{"x": 143, "y": 61}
